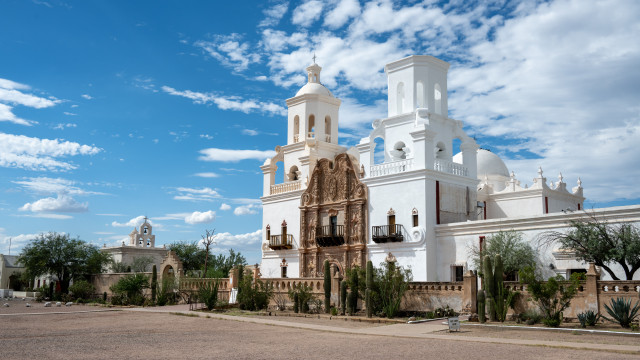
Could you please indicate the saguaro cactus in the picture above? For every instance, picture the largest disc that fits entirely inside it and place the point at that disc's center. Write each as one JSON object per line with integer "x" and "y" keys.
{"x": 343, "y": 296}
{"x": 489, "y": 287}
{"x": 367, "y": 296}
{"x": 481, "y": 304}
{"x": 353, "y": 303}
{"x": 327, "y": 286}
{"x": 498, "y": 286}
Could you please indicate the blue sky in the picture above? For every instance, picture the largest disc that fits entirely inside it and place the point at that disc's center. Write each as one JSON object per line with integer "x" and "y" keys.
{"x": 113, "y": 110}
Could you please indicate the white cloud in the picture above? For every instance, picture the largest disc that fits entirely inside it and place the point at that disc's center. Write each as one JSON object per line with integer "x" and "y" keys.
{"x": 250, "y": 132}
{"x": 340, "y": 14}
{"x": 6, "y": 114}
{"x": 48, "y": 216}
{"x": 63, "y": 126}
{"x": 230, "y": 51}
{"x": 87, "y": 96}
{"x": 207, "y": 175}
{"x": 273, "y": 15}
{"x": 229, "y": 155}
{"x": 228, "y": 103}
{"x": 192, "y": 194}
{"x": 62, "y": 203}
{"x": 135, "y": 222}
{"x": 69, "y": 113}
{"x": 17, "y": 242}
{"x": 49, "y": 185}
{"x": 11, "y": 94}
{"x": 206, "y": 136}
{"x": 198, "y": 217}
{"x": 19, "y": 151}
{"x": 249, "y": 209}
{"x": 225, "y": 207}
{"x": 226, "y": 239}
{"x": 307, "y": 13}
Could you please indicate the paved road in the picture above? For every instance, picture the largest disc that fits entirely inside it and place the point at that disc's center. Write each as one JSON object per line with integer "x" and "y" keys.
{"x": 143, "y": 335}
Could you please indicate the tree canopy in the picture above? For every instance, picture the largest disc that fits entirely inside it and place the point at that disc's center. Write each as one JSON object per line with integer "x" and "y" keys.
{"x": 516, "y": 252}
{"x": 193, "y": 259}
{"x": 66, "y": 258}
{"x": 602, "y": 243}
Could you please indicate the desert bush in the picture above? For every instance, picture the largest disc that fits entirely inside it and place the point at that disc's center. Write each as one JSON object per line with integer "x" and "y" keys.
{"x": 208, "y": 294}
{"x": 165, "y": 293}
{"x": 303, "y": 292}
{"x": 131, "y": 286}
{"x": 392, "y": 282}
{"x": 81, "y": 289}
{"x": 621, "y": 311}
{"x": 531, "y": 316}
{"x": 552, "y": 296}
{"x": 254, "y": 294}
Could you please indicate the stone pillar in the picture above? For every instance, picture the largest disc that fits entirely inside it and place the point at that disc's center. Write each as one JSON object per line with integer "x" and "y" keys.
{"x": 469, "y": 292}
{"x": 268, "y": 178}
{"x": 591, "y": 289}
{"x": 233, "y": 277}
{"x": 470, "y": 157}
{"x": 364, "y": 148}
{"x": 423, "y": 147}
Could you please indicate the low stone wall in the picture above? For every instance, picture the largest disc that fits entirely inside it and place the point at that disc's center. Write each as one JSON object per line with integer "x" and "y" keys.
{"x": 428, "y": 296}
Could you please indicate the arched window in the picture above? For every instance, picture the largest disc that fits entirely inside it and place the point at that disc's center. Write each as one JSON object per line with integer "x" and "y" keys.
{"x": 327, "y": 128}
{"x": 420, "y": 95}
{"x": 312, "y": 126}
{"x": 378, "y": 150}
{"x": 400, "y": 98}
{"x": 440, "y": 151}
{"x": 296, "y": 128}
{"x": 293, "y": 173}
{"x": 437, "y": 97}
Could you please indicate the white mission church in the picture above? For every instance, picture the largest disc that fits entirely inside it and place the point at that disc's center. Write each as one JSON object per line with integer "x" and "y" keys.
{"x": 420, "y": 204}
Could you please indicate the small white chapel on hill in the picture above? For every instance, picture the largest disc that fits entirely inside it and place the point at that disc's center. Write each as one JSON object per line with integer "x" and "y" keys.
{"x": 418, "y": 204}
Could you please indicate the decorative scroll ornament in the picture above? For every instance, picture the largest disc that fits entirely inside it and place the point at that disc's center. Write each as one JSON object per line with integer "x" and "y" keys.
{"x": 390, "y": 258}
{"x": 391, "y": 212}
{"x": 414, "y": 211}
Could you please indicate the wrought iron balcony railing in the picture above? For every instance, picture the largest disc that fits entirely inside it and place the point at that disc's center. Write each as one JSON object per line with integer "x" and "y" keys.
{"x": 277, "y": 242}
{"x": 330, "y": 235}
{"x": 387, "y": 233}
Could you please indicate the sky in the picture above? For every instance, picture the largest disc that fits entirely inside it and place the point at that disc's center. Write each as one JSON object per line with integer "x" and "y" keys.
{"x": 115, "y": 110}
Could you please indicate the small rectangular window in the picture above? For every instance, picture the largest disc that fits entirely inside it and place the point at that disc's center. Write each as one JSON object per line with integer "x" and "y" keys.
{"x": 457, "y": 273}
{"x": 415, "y": 220}
{"x": 283, "y": 272}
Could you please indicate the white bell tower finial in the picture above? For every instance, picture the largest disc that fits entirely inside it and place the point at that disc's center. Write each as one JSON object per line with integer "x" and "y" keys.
{"x": 313, "y": 72}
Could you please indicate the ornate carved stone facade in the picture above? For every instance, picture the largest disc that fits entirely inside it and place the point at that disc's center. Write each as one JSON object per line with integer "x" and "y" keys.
{"x": 333, "y": 222}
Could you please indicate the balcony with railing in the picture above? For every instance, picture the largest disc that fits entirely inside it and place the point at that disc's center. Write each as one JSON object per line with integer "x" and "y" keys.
{"x": 278, "y": 242}
{"x": 330, "y": 235}
{"x": 450, "y": 167}
{"x": 387, "y": 233}
{"x": 285, "y": 187}
{"x": 389, "y": 168}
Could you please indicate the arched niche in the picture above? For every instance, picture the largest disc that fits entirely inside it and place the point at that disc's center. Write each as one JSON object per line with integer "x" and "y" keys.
{"x": 420, "y": 95}
{"x": 437, "y": 99}
{"x": 400, "y": 98}
{"x": 378, "y": 150}
{"x": 311, "y": 128}
{"x": 327, "y": 128}
{"x": 296, "y": 128}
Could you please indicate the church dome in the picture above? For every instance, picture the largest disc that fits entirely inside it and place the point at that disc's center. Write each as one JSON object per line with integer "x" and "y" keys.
{"x": 314, "y": 88}
{"x": 488, "y": 164}
{"x": 491, "y": 164}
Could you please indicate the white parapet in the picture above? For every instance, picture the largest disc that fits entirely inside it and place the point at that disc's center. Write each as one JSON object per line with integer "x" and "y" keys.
{"x": 285, "y": 187}
{"x": 450, "y": 167}
{"x": 389, "y": 168}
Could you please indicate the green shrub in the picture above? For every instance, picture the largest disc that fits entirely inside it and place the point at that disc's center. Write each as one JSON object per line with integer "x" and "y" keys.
{"x": 392, "y": 282}
{"x": 131, "y": 287}
{"x": 327, "y": 286}
{"x": 154, "y": 283}
{"x": 104, "y": 296}
{"x": 588, "y": 318}
{"x": 254, "y": 294}
{"x": 531, "y": 316}
{"x": 334, "y": 311}
{"x": 552, "y": 296}
{"x": 303, "y": 293}
{"x": 208, "y": 294}
{"x": 81, "y": 289}
{"x": 165, "y": 292}
{"x": 343, "y": 297}
{"x": 622, "y": 312}
{"x": 296, "y": 303}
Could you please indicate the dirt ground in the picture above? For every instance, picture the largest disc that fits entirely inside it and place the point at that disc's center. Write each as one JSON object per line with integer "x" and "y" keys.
{"x": 548, "y": 335}
{"x": 139, "y": 335}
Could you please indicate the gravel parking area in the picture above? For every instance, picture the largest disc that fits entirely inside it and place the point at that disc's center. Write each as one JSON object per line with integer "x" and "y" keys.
{"x": 140, "y": 335}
